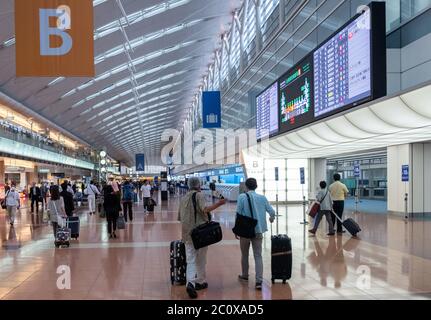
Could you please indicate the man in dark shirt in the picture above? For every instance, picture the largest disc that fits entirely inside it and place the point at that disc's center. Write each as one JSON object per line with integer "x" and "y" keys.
{"x": 35, "y": 196}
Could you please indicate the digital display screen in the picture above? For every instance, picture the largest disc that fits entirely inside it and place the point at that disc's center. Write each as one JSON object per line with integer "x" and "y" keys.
{"x": 342, "y": 68}
{"x": 267, "y": 112}
{"x": 346, "y": 70}
{"x": 296, "y": 96}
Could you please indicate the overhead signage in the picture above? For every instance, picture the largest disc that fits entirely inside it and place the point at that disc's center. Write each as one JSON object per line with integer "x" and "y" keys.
{"x": 140, "y": 163}
{"x": 211, "y": 109}
{"x": 54, "y": 38}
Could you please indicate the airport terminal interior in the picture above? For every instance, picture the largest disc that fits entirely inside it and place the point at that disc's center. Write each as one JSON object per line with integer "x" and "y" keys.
{"x": 126, "y": 125}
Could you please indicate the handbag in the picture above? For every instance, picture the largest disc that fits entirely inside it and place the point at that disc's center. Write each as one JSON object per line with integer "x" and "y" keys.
{"x": 207, "y": 233}
{"x": 121, "y": 223}
{"x": 315, "y": 207}
{"x": 3, "y": 202}
{"x": 245, "y": 227}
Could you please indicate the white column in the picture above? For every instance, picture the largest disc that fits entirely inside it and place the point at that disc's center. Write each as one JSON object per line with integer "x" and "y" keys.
{"x": 418, "y": 157}
{"x": 317, "y": 174}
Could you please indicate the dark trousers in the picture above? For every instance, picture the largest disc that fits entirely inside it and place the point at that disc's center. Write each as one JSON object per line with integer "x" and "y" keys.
{"x": 146, "y": 202}
{"x": 127, "y": 207}
{"x": 112, "y": 224}
{"x": 338, "y": 209}
{"x": 33, "y": 200}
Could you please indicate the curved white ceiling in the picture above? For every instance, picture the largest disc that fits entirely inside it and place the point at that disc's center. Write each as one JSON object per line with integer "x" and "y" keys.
{"x": 396, "y": 120}
{"x": 137, "y": 93}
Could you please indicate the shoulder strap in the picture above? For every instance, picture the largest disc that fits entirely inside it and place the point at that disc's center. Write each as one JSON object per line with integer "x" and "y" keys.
{"x": 194, "y": 204}
{"x": 249, "y": 204}
{"x": 55, "y": 207}
{"x": 325, "y": 195}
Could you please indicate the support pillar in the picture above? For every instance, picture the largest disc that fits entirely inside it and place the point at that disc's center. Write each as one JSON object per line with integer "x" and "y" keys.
{"x": 418, "y": 157}
{"x": 317, "y": 174}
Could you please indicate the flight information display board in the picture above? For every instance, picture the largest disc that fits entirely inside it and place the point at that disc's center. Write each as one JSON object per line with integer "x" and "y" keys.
{"x": 346, "y": 70}
{"x": 342, "y": 67}
{"x": 296, "y": 96}
{"x": 267, "y": 112}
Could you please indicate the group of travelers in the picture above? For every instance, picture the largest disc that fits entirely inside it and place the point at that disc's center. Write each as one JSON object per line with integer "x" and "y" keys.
{"x": 196, "y": 259}
{"x": 331, "y": 202}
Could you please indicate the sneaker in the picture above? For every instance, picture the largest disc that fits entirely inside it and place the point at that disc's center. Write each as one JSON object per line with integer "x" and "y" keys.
{"x": 110, "y": 236}
{"x": 341, "y": 232}
{"x": 115, "y": 236}
{"x": 242, "y": 278}
{"x": 191, "y": 291}
{"x": 331, "y": 234}
{"x": 312, "y": 231}
{"x": 201, "y": 286}
{"x": 258, "y": 286}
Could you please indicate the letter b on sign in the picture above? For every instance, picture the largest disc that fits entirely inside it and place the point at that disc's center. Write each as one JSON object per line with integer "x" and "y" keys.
{"x": 46, "y": 32}
{"x": 54, "y": 38}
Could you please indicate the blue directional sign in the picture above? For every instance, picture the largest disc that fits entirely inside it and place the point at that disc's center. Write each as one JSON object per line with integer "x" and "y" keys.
{"x": 140, "y": 162}
{"x": 302, "y": 175}
{"x": 357, "y": 171}
{"x": 211, "y": 109}
{"x": 405, "y": 173}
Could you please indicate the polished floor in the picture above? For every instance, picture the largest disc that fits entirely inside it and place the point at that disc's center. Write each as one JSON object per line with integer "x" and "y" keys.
{"x": 391, "y": 260}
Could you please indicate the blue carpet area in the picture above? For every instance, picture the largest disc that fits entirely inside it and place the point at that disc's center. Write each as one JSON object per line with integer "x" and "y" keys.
{"x": 368, "y": 206}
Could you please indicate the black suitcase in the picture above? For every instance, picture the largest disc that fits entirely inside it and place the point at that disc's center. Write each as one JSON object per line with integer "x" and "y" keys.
{"x": 281, "y": 258}
{"x": 351, "y": 225}
{"x": 281, "y": 255}
{"x": 73, "y": 224}
{"x": 178, "y": 263}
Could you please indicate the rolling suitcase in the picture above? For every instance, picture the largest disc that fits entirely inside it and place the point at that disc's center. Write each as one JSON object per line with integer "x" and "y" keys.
{"x": 62, "y": 237}
{"x": 281, "y": 255}
{"x": 73, "y": 224}
{"x": 351, "y": 225}
{"x": 178, "y": 262}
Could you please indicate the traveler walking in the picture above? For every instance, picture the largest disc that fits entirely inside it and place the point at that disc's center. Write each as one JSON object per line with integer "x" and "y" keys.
{"x": 12, "y": 203}
{"x": 56, "y": 208}
{"x": 146, "y": 194}
{"x": 35, "y": 197}
{"x": 339, "y": 192}
{"x": 92, "y": 192}
{"x": 68, "y": 200}
{"x": 112, "y": 207}
{"x": 196, "y": 259}
{"x": 260, "y": 206}
{"x": 324, "y": 197}
{"x": 128, "y": 194}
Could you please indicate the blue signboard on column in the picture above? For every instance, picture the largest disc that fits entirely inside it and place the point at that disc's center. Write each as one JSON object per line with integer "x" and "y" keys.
{"x": 140, "y": 162}
{"x": 302, "y": 175}
{"x": 405, "y": 173}
{"x": 211, "y": 109}
{"x": 357, "y": 171}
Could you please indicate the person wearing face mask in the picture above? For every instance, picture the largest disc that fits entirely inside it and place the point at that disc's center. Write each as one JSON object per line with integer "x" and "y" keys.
{"x": 12, "y": 203}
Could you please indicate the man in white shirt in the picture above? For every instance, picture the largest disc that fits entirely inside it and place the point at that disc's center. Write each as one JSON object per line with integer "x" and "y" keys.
{"x": 12, "y": 203}
{"x": 339, "y": 192}
{"x": 92, "y": 191}
{"x": 146, "y": 194}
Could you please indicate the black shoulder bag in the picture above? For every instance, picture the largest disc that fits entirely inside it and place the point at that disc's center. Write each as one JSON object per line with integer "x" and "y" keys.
{"x": 207, "y": 233}
{"x": 245, "y": 227}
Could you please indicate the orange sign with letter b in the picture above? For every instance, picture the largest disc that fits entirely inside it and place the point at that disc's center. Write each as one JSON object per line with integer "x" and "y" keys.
{"x": 54, "y": 38}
